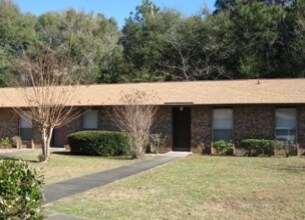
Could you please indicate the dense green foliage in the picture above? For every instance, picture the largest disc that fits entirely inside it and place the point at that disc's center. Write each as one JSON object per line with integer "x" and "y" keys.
{"x": 255, "y": 147}
{"x": 90, "y": 39}
{"x": 102, "y": 143}
{"x": 20, "y": 191}
{"x": 223, "y": 147}
{"x": 87, "y": 39}
{"x": 240, "y": 39}
{"x": 5, "y": 143}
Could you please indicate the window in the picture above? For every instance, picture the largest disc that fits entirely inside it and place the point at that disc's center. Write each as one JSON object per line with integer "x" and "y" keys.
{"x": 90, "y": 120}
{"x": 26, "y": 127}
{"x": 286, "y": 124}
{"x": 223, "y": 124}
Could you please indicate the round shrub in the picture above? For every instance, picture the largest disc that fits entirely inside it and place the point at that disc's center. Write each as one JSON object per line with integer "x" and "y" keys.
{"x": 224, "y": 147}
{"x": 20, "y": 191}
{"x": 101, "y": 143}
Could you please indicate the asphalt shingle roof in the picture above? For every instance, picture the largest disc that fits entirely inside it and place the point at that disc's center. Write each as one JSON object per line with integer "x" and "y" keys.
{"x": 223, "y": 92}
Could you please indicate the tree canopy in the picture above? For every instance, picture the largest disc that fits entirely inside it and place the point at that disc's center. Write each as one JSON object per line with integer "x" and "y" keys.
{"x": 240, "y": 39}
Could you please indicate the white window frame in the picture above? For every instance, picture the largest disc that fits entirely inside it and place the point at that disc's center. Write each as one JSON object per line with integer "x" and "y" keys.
{"x": 226, "y": 125}
{"x": 290, "y": 129}
{"x": 88, "y": 125}
{"x": 25, "y": 122}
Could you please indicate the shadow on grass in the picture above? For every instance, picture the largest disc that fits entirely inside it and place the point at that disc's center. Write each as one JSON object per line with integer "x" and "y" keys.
{"x": 289, "y": 168}
{"x": 68, "y": 153}
{"x": 65, "y": 153}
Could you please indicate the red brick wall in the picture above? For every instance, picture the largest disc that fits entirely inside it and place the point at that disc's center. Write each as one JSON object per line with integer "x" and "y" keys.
{"x": 201, "y": 129}
{"x": 163, "y": 125}
{"x": 250, "y": 121}
{"x": 105, "y": 120}
{"x": 301, "y": 126}
{"x": 9, "y": 123}
{"x": 253, "y": 121}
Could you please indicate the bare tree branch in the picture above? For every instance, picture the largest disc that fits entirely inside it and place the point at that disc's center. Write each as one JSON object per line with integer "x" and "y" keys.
{"x": 45, "y": 86}
{"x": 135, "y": 118}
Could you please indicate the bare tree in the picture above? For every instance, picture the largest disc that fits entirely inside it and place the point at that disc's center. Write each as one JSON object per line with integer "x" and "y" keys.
{"x": 135, "y": 118}
{"x": 47, "y": 91}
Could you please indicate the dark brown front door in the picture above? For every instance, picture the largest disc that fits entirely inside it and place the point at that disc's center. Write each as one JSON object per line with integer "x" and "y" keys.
{"x": 181, "y": 128}
{"x": 59, "y": 137}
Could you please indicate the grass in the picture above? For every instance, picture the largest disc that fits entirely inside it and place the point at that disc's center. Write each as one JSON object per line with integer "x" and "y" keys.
{"x": 199, "y": 187}
{"x": 64, "y": 166}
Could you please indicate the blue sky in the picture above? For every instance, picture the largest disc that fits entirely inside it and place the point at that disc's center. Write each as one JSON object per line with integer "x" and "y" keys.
{"x": 119, "y": 9}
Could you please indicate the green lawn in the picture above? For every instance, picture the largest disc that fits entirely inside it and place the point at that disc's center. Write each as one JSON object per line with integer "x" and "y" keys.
{"x": 64, "y": 166}
{"x": 200, "y": 187}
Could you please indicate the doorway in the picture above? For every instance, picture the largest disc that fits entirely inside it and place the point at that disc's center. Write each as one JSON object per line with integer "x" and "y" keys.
{"x": 181, "y": 128}
{"x": 59, "y": 135}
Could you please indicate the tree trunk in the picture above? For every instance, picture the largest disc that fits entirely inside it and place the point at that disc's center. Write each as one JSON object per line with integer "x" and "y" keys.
{"x": 46, "y": 137}
{"x": 49, "y": 141}
{"x": 139, "y": 151}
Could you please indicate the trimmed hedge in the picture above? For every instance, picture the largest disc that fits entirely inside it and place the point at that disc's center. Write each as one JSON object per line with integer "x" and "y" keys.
{"x": 21, "y": 193}
{"x": 255, "y": 147}
{"x": 101, "y": 143}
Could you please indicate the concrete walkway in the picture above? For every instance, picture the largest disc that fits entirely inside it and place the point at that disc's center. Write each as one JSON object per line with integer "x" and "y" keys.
{"x": 77, "y": 185}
